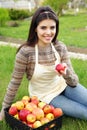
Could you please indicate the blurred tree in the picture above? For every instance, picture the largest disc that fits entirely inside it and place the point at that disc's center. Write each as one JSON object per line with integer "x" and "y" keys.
{"x": 36, "y": 3}
{"x": 57, "y": 5}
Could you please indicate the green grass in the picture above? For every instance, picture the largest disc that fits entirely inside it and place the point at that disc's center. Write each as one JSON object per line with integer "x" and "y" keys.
{"x": 6, "y": 68}
{"x": 7, "y": 59}
{"x": 73, "y": 30}
{"x": 19, "y": 32}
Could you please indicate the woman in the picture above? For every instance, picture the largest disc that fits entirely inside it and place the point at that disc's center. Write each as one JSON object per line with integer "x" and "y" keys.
{"x": 38, "y": 58}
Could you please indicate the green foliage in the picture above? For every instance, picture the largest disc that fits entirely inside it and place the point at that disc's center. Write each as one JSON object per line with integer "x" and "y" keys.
{"x": 57, "y": 5}
{"x": 16, "y": 14}
{"x": 4, "y": 16}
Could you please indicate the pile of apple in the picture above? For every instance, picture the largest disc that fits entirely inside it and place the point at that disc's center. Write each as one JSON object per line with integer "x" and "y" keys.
{"x": 33, "y": 112}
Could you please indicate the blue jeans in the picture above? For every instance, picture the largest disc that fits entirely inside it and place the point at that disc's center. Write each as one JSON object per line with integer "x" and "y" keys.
{"x": 73, "y": 101}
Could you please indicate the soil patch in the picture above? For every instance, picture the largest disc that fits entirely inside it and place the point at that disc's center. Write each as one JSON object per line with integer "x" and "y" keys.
{"x": 78, "y": 50}
{"x": 20, "y": 41}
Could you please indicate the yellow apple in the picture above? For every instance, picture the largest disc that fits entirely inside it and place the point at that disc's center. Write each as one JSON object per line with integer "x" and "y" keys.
{"x": 16, "y": 116}
{"x": 50, "y": 116}
{"x": 26, "y": 98}
{"x": 44, "y": 120}
{"x": 36, "y": 124}
{"x": 31, "y": 118}
{"x": 19, "y": 105}
{"x": 41, "y": 104}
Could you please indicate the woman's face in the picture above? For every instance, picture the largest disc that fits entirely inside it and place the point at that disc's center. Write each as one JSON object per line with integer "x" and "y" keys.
{"x": 46, "y": 31}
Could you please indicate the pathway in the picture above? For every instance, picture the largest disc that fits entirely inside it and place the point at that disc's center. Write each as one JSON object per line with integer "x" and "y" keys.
{"x": 71, "y": 54}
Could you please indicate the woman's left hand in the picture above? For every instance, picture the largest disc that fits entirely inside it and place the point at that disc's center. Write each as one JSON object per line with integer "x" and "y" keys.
{"x": 61, "y": 69}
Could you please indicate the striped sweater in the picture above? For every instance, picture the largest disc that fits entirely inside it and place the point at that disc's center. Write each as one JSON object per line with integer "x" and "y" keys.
{"x": 25, "y": 62}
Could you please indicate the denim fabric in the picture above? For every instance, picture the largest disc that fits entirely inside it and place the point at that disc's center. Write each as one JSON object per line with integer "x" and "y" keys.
{"x": 73, "y": 101}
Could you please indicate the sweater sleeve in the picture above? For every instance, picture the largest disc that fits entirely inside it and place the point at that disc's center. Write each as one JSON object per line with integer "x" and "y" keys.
{"x": 70, "y": 77}
{"x": 17, "y": 75}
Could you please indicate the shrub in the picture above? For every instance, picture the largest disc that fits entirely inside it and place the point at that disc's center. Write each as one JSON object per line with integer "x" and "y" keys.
{"x": 16, "y": 14}
{"x": 4, "y": 16}
{"x": 13, "y": 24}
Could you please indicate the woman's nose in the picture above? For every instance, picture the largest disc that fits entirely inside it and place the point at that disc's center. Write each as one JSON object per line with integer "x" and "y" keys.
{"x": 48, "y": 31}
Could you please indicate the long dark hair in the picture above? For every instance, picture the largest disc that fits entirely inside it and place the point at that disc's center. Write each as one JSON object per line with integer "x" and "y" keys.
{"x": 41, "y": 13}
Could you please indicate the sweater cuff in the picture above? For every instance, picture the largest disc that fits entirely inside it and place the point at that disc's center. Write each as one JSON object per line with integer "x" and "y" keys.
{"x": 2, "y": 113}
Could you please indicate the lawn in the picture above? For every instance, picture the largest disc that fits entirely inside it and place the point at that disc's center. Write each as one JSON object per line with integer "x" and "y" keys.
{"x": 73, "y": 30}
{"x": 6, "y": 65}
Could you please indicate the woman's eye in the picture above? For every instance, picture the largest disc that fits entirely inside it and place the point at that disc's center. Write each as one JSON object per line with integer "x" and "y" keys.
{"x": 43, "y": 27}
{"x": 53, "y": 27}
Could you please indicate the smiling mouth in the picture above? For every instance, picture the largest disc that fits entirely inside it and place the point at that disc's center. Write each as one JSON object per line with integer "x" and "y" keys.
{"x": 48, "y": 38}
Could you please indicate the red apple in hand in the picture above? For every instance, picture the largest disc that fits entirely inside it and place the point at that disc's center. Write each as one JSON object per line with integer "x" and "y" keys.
{"x": 60, "y": 67}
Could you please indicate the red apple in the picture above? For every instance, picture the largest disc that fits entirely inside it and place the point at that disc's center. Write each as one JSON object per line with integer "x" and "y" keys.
{"x": 23, "y": 114}
{"x": 31, "y": 118}
{"x": 34, "y": 97}
{"x": 46, "y": 128}
{"x": 57, "y": 112}
{"x": 35, "y": 101}
{"x": 50, "y": 116}
{"x": 60, "y": 67}
{"x": 47, "y": 109}
{"x": 52, "y": 107}
{"x": 39, "y": 113}
{"x": 30, "y": 124}
{"x": 13, "y": 110}
{"x": 36, "y": 124}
